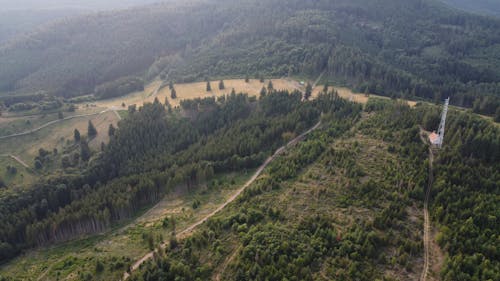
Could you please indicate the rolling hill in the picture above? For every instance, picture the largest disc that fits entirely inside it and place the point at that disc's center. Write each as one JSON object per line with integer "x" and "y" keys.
{"x": 392, "y": 48}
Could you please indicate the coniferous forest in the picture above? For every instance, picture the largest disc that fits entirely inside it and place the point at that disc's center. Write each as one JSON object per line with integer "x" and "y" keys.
{"x": 267, "y": 184}
{"x": 398, "y": 48}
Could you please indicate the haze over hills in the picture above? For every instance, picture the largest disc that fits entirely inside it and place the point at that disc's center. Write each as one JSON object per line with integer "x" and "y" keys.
{"x": 393, "y": 48}
{"x": 487, "y": 7}
{"x": 18, "y": 17}
{"x": 249, "y": 140}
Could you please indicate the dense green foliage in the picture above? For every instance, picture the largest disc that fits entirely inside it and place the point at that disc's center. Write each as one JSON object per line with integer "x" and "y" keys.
{"x": 407, "y": 48}
{"x": 151, "y": 153}
{"x": 119, "y": 87}
{"x": 276, "y": 241}
{"x": 467, "y": 199}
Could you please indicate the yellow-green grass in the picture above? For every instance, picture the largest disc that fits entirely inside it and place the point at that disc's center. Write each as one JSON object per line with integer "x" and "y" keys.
{"x": 54, "y": 136}
{"x": 22, "y": 174}
{"x": 195, "y": 90}
{"x": 125, "y": 241}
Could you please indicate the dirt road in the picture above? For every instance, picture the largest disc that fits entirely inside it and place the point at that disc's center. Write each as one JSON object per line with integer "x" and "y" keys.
{"x": 19, "y": 160}
{"x": 427, "y": 223}
{"x": 186, "y": 232}
{"x": 51, "y": 123}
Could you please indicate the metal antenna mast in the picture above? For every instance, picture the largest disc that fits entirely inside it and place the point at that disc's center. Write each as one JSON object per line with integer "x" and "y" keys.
{"x": 442, "y": 125}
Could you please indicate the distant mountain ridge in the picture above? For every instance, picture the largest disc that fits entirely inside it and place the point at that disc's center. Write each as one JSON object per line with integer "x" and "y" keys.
{"x": 407, "y": 48}
{"x": 487, "y": 7}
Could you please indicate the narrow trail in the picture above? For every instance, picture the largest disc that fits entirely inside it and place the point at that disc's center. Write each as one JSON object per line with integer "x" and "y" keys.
{"x": 17, "y": 159}
{"x": 225, "y": 264}
{"x": 51, "y": 123}
{"x": 318, "y": 79}
{"x": 188, "y": 231}
{"x": 427, "y": 223}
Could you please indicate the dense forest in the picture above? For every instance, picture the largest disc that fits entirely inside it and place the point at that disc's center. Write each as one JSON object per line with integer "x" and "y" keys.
{"x": 263, "y": 237}
{"x": 420, "y": 49}
{"x": 317, "y": 213}
{"x": 155, "y": 150}
{"x": 467, "y": 199}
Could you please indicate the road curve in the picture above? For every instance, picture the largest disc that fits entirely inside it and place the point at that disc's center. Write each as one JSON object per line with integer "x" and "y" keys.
{"x": 186, "y": 232}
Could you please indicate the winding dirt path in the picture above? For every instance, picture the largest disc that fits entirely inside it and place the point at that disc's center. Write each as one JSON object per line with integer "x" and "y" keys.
{"x": 16, "y": 158}
{"x": 186, "y": 232}
{"x": 51, "y": 123}
{"x": 427, "y": 223}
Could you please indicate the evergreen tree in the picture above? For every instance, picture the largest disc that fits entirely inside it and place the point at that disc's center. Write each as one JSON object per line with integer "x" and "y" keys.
{"x": 325, "y": 88}
{"x": 85, "y": 150}
{"x": 247, "y": 79}
{"x": 270, "y": 86}
{"x": 261, "y": 79}
{"x": 173, "y": 93}
{"x": 91, "y": 130}
{"x": 233, "y": 92}
{"x": 111, "y": 130}
{"x": 209, "y": 87}
{"x": 308, "y": 92}
{"x": 263, "y": 92}
{"x": 77, "y": 135}
{"x": 221, "y": 85}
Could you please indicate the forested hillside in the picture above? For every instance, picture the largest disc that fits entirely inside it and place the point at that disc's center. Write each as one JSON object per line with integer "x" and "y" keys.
{"x": 390, "y": 47}
{"x": 344, "y": 208}
{"x": 155, "y": 150}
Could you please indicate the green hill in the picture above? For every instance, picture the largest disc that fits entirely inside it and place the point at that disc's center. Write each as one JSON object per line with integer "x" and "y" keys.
{"x": 389, "y": 47}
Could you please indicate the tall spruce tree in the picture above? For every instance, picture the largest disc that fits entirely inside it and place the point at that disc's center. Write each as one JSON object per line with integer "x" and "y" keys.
{"x": 91, "y": 130}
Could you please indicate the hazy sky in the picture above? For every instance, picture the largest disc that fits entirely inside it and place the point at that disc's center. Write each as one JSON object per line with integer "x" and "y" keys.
{"x": 78, "y": 4}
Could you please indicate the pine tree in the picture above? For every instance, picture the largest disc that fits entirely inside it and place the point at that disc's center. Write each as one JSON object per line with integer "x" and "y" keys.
{"x": 111, "y": 130}
{"x": 209, "y": 87}
{"x": 85, "y": 150}
{"x": 247, "y": 79}
{"x": 77, "y": 135}
{"x": 91, "y": 131}
{"x": 221, "y": 85}
{"x": 173, "y": 93}
{"x": 263, "y": 92}
{"x": 270, "y": 86}
{"x": 308, "y": 92}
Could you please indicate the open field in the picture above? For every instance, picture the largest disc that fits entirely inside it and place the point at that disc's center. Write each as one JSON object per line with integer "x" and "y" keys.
{"x": 55, "y": 136}
{"x": 195, "y": 90}
{"x": 123, "y": 244}
{"x": 198, "y": 90}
